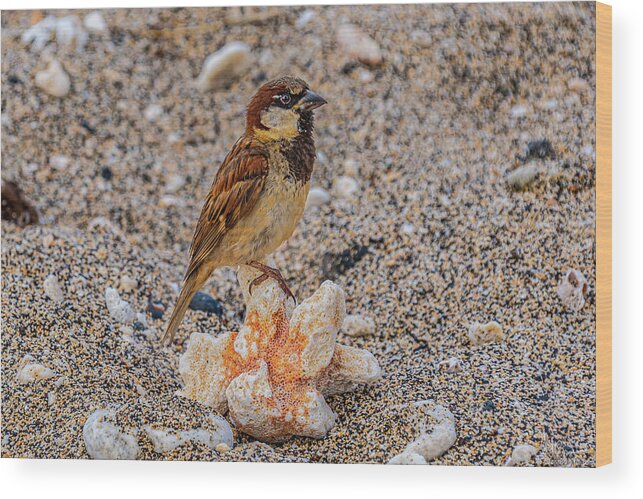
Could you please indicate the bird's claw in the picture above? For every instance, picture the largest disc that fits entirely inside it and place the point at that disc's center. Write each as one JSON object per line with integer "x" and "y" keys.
{"x": 270, "y": 272}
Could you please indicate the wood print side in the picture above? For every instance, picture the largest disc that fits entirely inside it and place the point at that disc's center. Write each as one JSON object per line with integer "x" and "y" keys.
{"x": 603, "y": 234}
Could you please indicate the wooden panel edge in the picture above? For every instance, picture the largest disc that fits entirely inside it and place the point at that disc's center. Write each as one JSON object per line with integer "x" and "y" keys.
{"x": 603, "y": 234}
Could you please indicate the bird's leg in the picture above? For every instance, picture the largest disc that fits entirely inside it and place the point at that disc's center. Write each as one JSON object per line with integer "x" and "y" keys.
{"x": 269, "y": 272}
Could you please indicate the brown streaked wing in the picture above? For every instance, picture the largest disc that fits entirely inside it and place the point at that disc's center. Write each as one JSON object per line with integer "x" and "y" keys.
{"x": 235, "y": 190}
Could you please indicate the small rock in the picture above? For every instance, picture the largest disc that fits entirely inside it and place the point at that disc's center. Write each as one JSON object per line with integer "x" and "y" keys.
{"x": 519, "y": 111}
{"x": 540, "y": 149}
{"x": 305, "y": 17}
{"x": 225, "y": 66}
{"x": 95, "y": 23}
{"x": 521, "y": 454}
{"x": 434, "y": 439}
{"x": 54, "y": 80}
{"x": 51, "y": 398}
{"x": 153, "y": 112}
{"x": 15, "y": 207}
{"x": 70, "y": 31}
{"x": 578, "y": 85}
{"x": 222, "y": 448}
{"x": 421, "y": 38}
{"x": 59, "y": 162}
{"x": 523, "y": 176}
{"x": 407, "y": 228}
{"x": 39, "y": 34}
{"x": 53, "y": 289}
{"x": 220, "y": 437}
{"x": 572, "y": 290}
{"x": 489, "y": 406}
{"x": 170, "y": 201}
{"x": 174, "y": 183}
{"x": 119, "y": 309}
{"x": 106, "y": 173}
{"x": 127, "y": 284}
{"x": 345, "y": 187}
{"x": 351, "y": 168}
{"x": 156, "y": 309}
{"x": 104, "y": 440}
{"x": 317, "y": 197}
{"x": 451, "y": 365}
{"x": 357, "y": 44}
{"x": 487, "y": 333}
{"x": 408, "y": 458}
{"x": 29, "y": 371}
{"x": 205, "y": 303}
{"x": 48, "y": 241}
{"x": 358, "y": 325}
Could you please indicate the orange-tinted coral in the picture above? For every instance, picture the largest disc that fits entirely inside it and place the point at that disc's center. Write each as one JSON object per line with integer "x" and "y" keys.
{"x": 273, "y": 374}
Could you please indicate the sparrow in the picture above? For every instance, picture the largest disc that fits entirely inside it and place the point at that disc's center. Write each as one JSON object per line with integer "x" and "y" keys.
{"x": 259, "y": 192}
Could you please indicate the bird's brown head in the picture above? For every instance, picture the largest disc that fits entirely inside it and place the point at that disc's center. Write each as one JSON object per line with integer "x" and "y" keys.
{"x": 282, "y": 109}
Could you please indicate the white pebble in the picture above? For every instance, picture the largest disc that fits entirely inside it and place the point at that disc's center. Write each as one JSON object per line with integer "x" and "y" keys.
{"x": 51, "y": 398}
{"x": 306, "y": 16}
{"x": 223, "y": 67}
{"x": 153, "y": 112}
{"x": 104, "y": 440}
{"x": 358, "y": 325}
{"x": 29, "y": 372}
{"x": 521, "y": 454}
{"x": 174, "y": 183}
{"x": 421, "y": 38}
{"x": 408, "y": 458}
{"x": 53, "y": 289}
{"x": 572, "y": 290}
{"x": 70, "y": 31}
{"x": 345, "y": 187}
{"x": 365, "y": 76}
{"x": 48, "y": 241}
{"x": 518, "y": 111}
{"x": 452, "y": 365}
{"x": 578, "y": 85}
{"x": 357, "y": 44}
{"x": 317, "y": 197}
{"x": 169, "y": 201}
{"x": 127, "y": 284}
{"x": 59, "y": 162}
{"x": 39, "y": 34}
{"x": 120, "y": 310}
{"x": 351, "y": 168}
{"x": 523, "y": 176}
{"x": 491, "y": 332}
{"x": 95, "y": 23}
{"x": 219, "y": 438}
{"x": 54, "y": 80}
{"x": 434, "y": 439}
{"x": 407, "y": 228}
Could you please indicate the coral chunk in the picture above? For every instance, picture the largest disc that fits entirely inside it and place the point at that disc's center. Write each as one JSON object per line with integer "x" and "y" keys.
{"x": 273, "y": 374}
{"x": 572, "y": 290}
{"x": 435, "y": 426}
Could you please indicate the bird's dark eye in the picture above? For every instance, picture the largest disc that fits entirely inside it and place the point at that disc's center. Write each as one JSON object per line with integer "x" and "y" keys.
{"x": 285, "y": 99}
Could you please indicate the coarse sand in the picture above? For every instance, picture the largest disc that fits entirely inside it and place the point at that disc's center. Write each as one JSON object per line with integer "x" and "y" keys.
{"x": 472, "y": 147}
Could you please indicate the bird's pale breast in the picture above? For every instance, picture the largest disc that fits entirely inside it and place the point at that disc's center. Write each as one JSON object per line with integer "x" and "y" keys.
{"x": 272, "y": 220}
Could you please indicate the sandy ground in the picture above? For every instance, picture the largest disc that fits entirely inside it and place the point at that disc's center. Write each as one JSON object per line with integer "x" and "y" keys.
{"x": 433, "y": 240}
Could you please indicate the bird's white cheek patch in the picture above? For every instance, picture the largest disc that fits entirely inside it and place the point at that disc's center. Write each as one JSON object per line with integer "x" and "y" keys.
{"x": 280, "y": 121}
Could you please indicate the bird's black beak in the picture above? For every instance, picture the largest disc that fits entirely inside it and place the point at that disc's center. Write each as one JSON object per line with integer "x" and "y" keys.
{"x": 310, "y": 101}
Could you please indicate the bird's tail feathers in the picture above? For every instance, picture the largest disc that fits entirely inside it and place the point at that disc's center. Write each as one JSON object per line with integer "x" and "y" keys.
{"x": 192, "y": 284}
